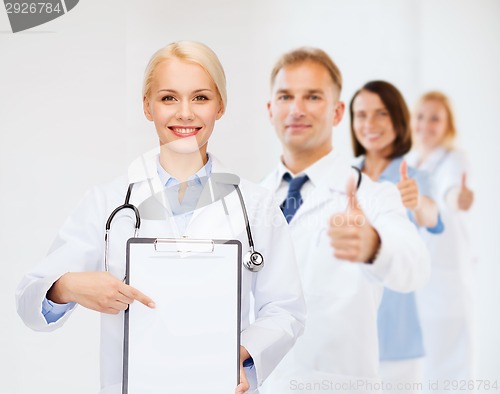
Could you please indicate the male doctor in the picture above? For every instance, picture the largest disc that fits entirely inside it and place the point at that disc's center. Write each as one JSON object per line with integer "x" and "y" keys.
{"x": 351, "y": 235}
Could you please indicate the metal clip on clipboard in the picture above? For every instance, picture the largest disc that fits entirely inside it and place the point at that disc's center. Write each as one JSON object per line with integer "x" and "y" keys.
{"x": 184, "y": 245}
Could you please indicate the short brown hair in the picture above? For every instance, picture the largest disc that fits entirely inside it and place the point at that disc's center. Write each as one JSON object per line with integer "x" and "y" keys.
{"x": 308, "y": 54}
{"x": 398, "y": 111}
{"x": 451, "y": 131}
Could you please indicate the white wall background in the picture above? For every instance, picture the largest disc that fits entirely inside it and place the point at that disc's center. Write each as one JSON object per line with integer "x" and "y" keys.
{"x": 71, "y": 117}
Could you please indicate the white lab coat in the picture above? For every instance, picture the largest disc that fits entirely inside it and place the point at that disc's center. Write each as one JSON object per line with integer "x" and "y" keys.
{"x": 446, "y": 304}
{"x": 277, "y": 295}
{"x": 338, "y": 351}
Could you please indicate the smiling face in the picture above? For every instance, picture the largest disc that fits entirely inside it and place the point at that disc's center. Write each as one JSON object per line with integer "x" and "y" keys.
{"x": 184, "y": 104}
{"x": 372, "y": 124}
{"x": 430, "y": 124}
{"x": 304, "y": 107}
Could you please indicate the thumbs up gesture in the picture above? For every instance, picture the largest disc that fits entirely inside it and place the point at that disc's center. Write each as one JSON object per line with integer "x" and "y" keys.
{"x": 408, "y": 188}
{"x": 351, "y": 235}
{"x": 465, "y": 195}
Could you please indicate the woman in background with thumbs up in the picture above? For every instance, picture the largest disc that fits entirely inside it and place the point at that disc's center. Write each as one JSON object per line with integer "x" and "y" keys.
{"x": 380, "y": 131}
{"x": 446, "y": 303}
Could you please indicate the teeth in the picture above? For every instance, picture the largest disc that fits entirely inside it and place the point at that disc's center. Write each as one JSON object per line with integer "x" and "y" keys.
{"x": 184, "y": 131}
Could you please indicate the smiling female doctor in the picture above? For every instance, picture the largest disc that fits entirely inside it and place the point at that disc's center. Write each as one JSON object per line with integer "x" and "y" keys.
{"x": 184, "y": 94}
{"x": 446, "y": 304}
{"x": 381, "y": 135}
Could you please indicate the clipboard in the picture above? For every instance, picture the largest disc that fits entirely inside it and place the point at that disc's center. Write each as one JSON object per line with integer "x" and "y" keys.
{"x": 190, "y": 342}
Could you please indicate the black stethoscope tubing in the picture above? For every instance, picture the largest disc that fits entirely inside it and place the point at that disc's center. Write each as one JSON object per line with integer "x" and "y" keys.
{"x": 253, "y": 260}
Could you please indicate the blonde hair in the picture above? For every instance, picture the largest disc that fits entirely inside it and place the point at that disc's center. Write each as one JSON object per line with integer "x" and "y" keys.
{"x": 191, "y": 52}
{"x": 451, "y": 131}
{"x": 308, "y": 54}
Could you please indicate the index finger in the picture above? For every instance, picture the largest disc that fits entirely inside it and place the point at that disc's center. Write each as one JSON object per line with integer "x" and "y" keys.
{"x": 132, "y": 292}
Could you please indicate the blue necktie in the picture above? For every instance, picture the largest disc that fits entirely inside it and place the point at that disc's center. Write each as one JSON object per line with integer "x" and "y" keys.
{"x": 293, "y": 199}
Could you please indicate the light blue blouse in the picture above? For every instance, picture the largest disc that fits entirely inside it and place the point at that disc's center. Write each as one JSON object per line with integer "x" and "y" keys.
{"x": 399, "y": 331}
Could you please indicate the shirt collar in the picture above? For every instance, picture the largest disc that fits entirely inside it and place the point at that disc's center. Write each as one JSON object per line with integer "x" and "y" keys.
{"x": 200, "y": 178}
{"x": 390, "y": 172}
{"x": 319, "y": 173}
{"x": 145, "y": 167}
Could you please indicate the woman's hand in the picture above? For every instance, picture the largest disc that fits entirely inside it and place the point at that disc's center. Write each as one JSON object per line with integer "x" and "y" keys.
{"x": 408, "y": 188}
{"x": 243, "y": 386}
{"x": 425, "y": 210}
{"x": 99, "y": 291}
{"x": 465, "y": 195}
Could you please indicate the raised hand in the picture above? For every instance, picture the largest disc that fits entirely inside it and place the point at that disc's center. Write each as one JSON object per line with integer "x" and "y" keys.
{"x": 99, "y": 291}
{"x": 465, "y": 195}
{"x": 408, "y": 188}
{"x": 351, "y": 235}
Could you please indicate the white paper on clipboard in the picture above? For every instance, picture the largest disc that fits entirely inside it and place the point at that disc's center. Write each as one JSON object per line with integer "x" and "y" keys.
{"x": 190, "y": 342}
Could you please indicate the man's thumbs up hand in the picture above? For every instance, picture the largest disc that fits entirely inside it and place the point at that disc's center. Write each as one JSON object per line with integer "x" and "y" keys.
{"x": 351, "y": 235}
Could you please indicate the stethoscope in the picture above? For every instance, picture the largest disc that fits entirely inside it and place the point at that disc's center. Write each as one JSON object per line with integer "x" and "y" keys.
{"x": 253, "y": 260}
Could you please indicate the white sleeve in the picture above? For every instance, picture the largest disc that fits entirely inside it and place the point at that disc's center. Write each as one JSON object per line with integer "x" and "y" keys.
{"x": 280, "y": 309}
{"x": 402, "y": 262}
{"x": 77, "y": 247}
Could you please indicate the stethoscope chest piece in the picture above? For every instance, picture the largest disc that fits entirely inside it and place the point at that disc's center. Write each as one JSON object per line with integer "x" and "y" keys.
{"x": 253, "y": 261}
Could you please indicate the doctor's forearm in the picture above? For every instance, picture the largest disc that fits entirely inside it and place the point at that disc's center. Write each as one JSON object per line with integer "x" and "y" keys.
{"x": 99, "y": 291}
{"x": 426, "y": 214}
